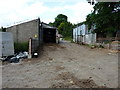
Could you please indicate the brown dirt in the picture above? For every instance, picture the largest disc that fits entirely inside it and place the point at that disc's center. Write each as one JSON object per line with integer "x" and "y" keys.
{"x": 69, "y": 80}
{"x": 64, "y": 65}
{"x": 58, "y": 68}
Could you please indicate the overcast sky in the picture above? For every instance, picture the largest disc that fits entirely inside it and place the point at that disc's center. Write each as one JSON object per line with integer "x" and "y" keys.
{"x": 17, "y": 11}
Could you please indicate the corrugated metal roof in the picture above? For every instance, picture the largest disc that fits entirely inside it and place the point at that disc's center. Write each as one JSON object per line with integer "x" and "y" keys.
{"x": 44, "y": 25}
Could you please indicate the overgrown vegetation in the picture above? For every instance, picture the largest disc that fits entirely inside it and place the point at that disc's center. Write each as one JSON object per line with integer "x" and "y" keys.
{"x": 20, "y": 47}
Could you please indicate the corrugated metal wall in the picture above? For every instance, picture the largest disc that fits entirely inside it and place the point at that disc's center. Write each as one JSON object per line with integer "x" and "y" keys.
{"x": 81, "y": 35}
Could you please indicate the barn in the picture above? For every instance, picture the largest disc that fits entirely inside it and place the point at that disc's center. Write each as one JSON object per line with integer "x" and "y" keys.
{"x": 39, "y": 32}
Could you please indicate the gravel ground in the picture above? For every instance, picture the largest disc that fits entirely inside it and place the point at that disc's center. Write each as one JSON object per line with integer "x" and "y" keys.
{"x": 64, "y": 65}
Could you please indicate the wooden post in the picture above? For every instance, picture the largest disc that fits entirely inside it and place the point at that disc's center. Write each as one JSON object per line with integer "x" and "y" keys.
{"x": 110, "y": 43}
{"x": 30, "y": 48}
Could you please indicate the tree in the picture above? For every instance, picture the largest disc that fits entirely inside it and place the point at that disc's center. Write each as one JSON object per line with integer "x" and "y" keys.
{"x": 2, "y": 29}
{"x": 65, "y": 28}
{"x": 105, "y": 17}
{"x": 59, "y": 19}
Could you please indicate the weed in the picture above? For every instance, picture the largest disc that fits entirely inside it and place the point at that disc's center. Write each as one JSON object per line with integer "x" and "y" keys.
{"x": 20, "y": 47}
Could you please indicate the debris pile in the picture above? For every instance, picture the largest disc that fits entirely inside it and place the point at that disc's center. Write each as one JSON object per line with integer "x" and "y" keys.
{"x": 16, "y": 58}
{"x": 70, "y": 81}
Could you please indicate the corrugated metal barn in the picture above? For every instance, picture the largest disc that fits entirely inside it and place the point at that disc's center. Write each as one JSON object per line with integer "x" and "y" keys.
{"x": 81, "y": 35}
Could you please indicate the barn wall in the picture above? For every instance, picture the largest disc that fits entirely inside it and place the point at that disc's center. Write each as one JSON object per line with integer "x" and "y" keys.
{"x": 22, "y": 32}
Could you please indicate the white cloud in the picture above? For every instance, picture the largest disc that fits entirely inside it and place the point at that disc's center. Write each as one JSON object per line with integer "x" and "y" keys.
{"x": 12, "y": 11}
{"x": 80, "y": 10}
{"x": 76, "y": 12}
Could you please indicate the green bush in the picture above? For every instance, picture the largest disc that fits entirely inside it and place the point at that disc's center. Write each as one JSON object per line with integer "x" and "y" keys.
{"x": 20, "y": 47}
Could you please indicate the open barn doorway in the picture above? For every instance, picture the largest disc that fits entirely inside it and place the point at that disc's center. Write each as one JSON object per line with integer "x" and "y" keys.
{"x": 49, "y": 35}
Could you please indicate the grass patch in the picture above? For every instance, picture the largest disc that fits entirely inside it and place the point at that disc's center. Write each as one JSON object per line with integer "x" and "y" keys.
{"x": 21, "y": 47}
{"x": 68, "y": 38}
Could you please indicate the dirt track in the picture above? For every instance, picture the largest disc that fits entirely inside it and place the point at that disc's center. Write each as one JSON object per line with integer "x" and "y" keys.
{"x": 64, "y": 65}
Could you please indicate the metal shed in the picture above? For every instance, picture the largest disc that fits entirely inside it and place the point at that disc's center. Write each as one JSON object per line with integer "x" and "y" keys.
{"x": 6, "y": 44}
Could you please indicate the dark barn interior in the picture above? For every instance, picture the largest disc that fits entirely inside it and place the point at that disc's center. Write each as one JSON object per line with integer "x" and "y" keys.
{"x": 49, "y": 35}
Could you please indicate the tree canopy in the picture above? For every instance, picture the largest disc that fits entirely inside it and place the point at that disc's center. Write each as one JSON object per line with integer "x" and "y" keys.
{"x": 2, "y": 29}
{"x": 105, "y": 17}
{"x": 64, "y": 27}
{"x": 59, "y": 19}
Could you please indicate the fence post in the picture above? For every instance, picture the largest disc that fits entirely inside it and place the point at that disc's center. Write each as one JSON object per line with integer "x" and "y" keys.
{"x": 30, "y": 48}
